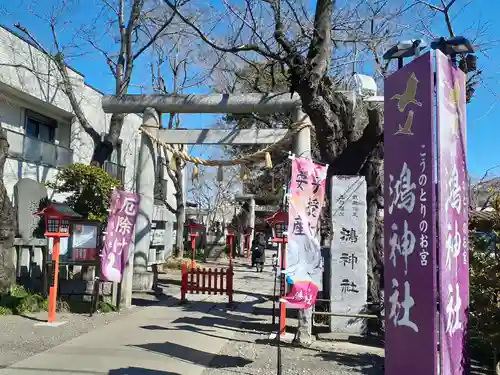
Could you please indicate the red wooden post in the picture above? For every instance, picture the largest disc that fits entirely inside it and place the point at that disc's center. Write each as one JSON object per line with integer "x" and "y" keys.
{"x": 193, "y": 248}
{"x": 197, "y": 281}
{"x": 230, "y": 237}
{"x": 222, "y": 271}
{"x": 203, "y": 281}
{"x": 216, "y": 280}
{"x": 191, "y": 277}
{"x": 209, "y": 281}
{"x": 184, "y": 281}
{"x": 230, "y": 284}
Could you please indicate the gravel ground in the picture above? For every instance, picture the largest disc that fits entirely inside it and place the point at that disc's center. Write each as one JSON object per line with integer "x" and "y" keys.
{"x": 322, "y": 358}
{"x": 250, "y": 352}
{"x": 21, "y": 339}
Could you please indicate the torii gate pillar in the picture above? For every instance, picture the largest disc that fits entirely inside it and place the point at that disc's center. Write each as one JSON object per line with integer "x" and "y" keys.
{"x": 302, "y": 148}
{"x": 302, "y": 141}
{"x": 136, "y": 271}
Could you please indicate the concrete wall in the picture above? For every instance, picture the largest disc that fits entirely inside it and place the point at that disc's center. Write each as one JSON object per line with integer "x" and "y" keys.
{"x": 29, "y": 80}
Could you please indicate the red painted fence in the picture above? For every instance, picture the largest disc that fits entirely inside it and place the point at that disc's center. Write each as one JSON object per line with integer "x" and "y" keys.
{"x": 211, "y": 281}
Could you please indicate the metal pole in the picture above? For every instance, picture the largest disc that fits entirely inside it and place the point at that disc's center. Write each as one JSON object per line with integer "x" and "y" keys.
{"x": 275, "y": 270}
{"x": 283, "y": 288}
{"x": 282, "y": 318}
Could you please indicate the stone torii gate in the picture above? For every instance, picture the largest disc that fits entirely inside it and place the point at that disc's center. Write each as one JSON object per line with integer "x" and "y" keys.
{"x": 152, "y": 105}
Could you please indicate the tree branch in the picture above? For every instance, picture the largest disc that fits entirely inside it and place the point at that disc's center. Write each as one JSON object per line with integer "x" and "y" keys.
{"x": 445, "y": 10}
{"x": 279, "y": 34}
{"x": 58, "y": 60}
{"x": 320, "y": 49}
{"x": 206, "y": 39}
{"x": 154, "y": 37}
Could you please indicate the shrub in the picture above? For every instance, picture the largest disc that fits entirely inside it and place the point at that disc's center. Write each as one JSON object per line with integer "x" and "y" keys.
{"x": 485, "y": 294}
{"x": 20, "y": 301}
{"x": 105, "y": 307}
{"x": 5, "y": 311}
{"x": 176, "y": 263}
{"x": 90, "y": 188}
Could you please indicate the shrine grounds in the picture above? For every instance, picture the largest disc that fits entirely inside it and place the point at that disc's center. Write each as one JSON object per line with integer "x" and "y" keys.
{"x": 160, "y": 336}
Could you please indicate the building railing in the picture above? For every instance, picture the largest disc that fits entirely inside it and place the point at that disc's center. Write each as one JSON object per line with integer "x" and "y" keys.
{"x": 115, "y": 170}
{"x": 34, "y": 150}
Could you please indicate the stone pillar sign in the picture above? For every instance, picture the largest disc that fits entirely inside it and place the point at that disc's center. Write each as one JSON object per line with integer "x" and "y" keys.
{"x": 348, "y": 283}
{"x": 27, "y": 196}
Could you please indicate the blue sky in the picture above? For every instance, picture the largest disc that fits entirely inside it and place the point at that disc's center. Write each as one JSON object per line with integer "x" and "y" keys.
{"x": 483, "y": 112}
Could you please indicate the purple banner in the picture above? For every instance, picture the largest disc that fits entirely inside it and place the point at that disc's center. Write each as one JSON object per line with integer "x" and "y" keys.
{"x": 121, "y": 222}
{"x": 409, "y": 221}
{"x": 453, "y": 217}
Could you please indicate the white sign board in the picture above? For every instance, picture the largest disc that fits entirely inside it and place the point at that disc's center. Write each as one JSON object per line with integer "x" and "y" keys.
{"x": 349, "y": 280}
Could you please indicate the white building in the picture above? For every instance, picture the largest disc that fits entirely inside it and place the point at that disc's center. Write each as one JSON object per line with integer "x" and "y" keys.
{"x": 44, "y": 134}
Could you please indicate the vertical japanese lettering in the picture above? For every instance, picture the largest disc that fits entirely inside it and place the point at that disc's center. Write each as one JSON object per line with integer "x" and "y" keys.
{"x": 424, "y": 225}
{"x": 402, "y": 191}
{"x": 301, "y": 180}
{"x": 400, "y": 311}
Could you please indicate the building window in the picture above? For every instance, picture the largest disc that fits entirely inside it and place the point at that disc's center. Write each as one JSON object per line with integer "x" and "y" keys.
{"x": 116, "y": 155}
{"x": 40, "y": 127}
{"x": 114, "y": 165}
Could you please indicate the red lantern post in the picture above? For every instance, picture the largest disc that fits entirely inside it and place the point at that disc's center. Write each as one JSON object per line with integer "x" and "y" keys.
{"x": 231, "y": 232}
{"x": 279, "y": 226}
{"x": 57, "y": 217}
{"x": 192, "y": 234}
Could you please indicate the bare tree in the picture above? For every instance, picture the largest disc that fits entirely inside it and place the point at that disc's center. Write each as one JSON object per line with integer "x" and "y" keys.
{"x": 134, "y": 28}
{"x": 214, "y": 196}
{"x": 313, "y": 50}
{"x": 303, "y": 53}
{"x": 176, "y": 56}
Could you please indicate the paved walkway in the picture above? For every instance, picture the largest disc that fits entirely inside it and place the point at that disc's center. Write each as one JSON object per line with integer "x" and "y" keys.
{"x": 159, "y": 340}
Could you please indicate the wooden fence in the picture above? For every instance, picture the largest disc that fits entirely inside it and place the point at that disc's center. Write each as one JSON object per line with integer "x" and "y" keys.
{"x": 207, "y": 280}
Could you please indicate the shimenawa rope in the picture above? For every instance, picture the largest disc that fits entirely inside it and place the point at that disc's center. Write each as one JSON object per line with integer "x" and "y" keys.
{"x": 243, "y": 160}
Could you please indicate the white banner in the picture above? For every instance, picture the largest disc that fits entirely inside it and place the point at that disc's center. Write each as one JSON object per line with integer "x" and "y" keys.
{"x": 349, "y": 280}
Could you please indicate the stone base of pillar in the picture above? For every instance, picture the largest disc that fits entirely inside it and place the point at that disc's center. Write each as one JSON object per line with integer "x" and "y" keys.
{"x": 142, "y": 281}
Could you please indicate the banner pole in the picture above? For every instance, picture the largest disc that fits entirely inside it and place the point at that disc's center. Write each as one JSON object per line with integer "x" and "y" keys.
{"x": 275, "y": 270}
{"x": 282, "y": 317}
{"x": 283, "y": 289}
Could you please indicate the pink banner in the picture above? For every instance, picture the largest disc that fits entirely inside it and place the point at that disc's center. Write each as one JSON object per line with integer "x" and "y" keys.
{"x": 121, "y": 222}
{"x": 303, "y": 255}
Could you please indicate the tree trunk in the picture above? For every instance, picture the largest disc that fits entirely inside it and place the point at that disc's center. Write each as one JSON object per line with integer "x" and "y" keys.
{"x": 181, "y": 212}
{"x": 7, "y": 225}
{"x": 104, "y": 148}
{"x": 347, "y": 149}
{"x": 374, "y": 198}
